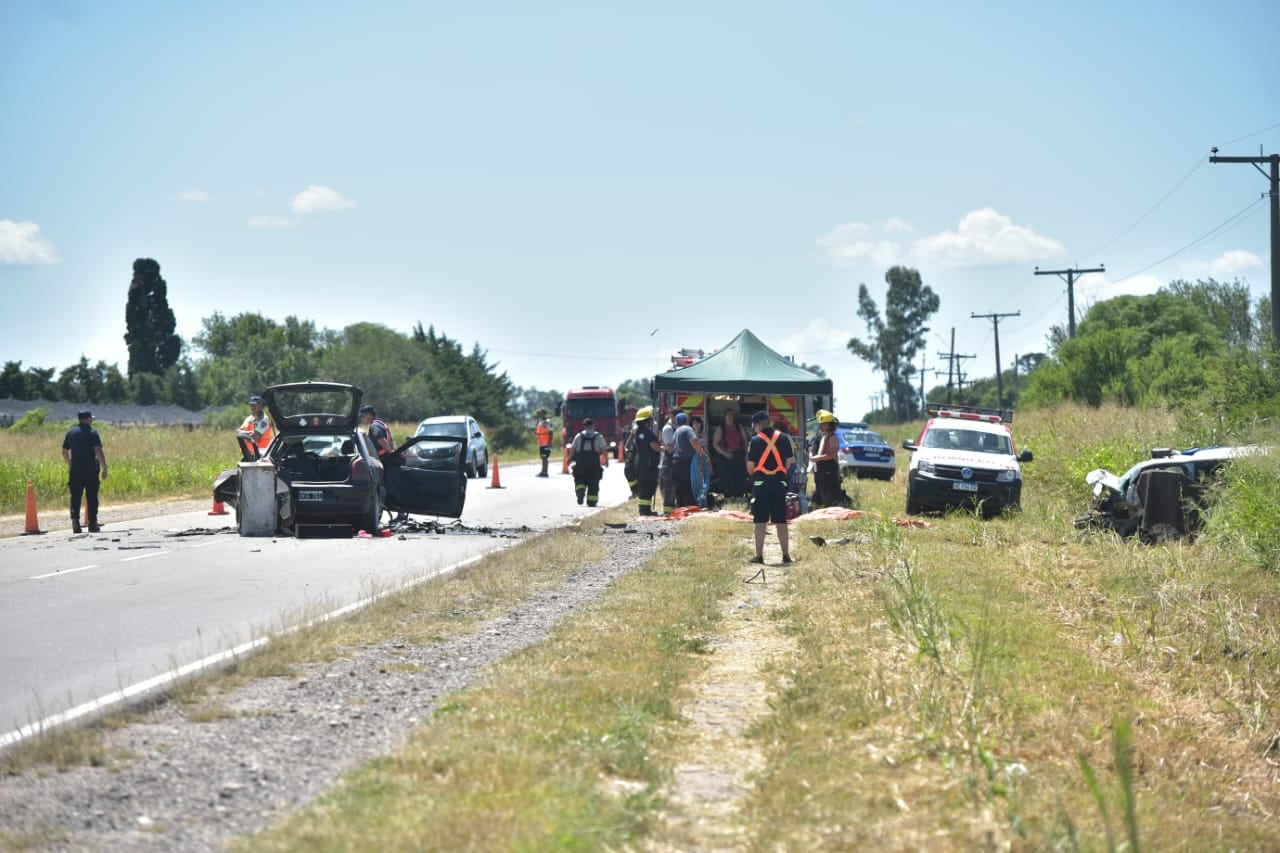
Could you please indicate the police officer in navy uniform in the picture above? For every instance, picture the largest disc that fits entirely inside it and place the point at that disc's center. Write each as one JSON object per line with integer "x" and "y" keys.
{"x": 82, "y": 451}
{"x": 769, "y": 458}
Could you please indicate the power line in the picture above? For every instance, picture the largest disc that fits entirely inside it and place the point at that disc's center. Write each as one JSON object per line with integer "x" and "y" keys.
{"x": 1220, "y": 228}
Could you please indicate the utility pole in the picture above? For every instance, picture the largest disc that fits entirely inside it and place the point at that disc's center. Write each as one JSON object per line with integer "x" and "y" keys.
{"x": 952, "y": 357}
{"x": 922, "y": 369}
{"x": 1274, "y": 160}
{"x": 995, "y": 324}
{"x": 1071, "y": 291}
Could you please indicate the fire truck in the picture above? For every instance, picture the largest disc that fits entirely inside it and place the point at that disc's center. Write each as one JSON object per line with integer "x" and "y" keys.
{"x": 601, "y": 405}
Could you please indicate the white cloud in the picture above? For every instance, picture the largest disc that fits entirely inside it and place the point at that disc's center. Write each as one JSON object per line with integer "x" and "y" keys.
{"x": 854, "y": 242}
{"x": 986, "y": 238}
{"x": 894, "y": 225}
{"x": 195, "y": 195}
{"x": 21, "y": 243}
{"x": 817, "y": 338}
{"x": 1231, "y": 264}
{"x": 268, "y": 223}
{"x": 316, "y": 199}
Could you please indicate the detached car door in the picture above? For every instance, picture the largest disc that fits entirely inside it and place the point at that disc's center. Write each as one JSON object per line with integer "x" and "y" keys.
{"x": 432, "y": 480}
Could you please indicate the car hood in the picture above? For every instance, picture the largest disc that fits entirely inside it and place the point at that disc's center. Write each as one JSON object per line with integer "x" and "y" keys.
{"x": 1101, "y": 480}
{"x": 300, "y": 408}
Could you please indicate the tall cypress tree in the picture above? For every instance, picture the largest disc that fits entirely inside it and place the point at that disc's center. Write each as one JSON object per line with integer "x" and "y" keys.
{"x": 149, "y": 323}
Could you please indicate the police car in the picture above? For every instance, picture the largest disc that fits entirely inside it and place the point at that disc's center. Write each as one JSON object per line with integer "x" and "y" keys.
{"x": 965, "y": 456}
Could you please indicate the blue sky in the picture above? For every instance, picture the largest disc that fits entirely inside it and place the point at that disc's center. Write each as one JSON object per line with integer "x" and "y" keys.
{"x": 584, "y": 188}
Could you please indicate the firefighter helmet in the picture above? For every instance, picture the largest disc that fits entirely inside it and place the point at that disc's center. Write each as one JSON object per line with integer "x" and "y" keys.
{"x": 644, "y": 414}
{"x": 825, "y": 417}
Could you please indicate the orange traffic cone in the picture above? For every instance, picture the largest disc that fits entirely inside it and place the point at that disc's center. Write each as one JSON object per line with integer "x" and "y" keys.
{"x": 218, "y": 508}
{"x": 565, "y": 467}
{"x": 493, "y": 481}
{"x": 33, "y": 523}
{"x": 621, "y": 453}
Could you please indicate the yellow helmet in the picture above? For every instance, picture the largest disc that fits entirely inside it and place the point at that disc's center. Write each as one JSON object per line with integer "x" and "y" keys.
{"x": 645, "y": 413}
{"x": 825, "y": 417}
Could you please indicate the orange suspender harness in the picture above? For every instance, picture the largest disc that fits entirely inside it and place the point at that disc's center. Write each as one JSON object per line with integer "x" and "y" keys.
{"x": 771, "y": 448}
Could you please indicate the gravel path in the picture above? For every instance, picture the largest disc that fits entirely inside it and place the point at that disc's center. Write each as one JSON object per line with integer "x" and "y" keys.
{"x": 194, "y": 786}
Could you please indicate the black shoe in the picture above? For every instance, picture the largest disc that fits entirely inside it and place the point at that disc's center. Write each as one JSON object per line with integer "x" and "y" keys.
{"x": 579, "y": 499}
{"x": 93, "y": 528}
{"x": 756, "y": 560}
{"x": 786, "y": 561}
{"x": 75, "y": 526}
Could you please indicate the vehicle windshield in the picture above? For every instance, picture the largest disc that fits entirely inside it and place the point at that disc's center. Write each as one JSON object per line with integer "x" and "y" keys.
{"x": 968, "y": 439}
{"x": 590, "y": 407}
{"x": 458, "y": 428}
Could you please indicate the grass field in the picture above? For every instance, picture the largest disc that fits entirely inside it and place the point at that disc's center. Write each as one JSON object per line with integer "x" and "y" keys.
{"x": 144, "y": 463}
{"x": 1004, "y": 684}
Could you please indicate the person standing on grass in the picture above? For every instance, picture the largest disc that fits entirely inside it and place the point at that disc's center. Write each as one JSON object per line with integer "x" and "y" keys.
{"x": 647, "y": 450}
{"x": 588, "y": 450}
{"x": 826, "y": 461}
{"x": 730, "y": 444}
{"x": 687, "y": 446}
{"x": 769, "y": 457}
{"x": 82, "y": 451}
{"x": 666, "y": 466}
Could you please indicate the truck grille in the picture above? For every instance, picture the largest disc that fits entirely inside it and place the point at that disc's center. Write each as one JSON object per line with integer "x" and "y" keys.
{"x": 980, "y": 475}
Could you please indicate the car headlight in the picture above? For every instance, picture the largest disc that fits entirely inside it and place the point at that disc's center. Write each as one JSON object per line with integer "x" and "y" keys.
{"x": 927, "y": 467}
{"x": 1009, "y": 476}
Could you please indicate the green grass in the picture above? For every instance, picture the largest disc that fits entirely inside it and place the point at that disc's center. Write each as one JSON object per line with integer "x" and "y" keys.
{"x": 1007, "y": 684}
{"x": 143, "y": 463}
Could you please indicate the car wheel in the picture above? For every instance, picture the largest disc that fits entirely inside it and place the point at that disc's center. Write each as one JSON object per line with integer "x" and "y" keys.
{"x": 913, "y": 507}
{"x": 472, "y": 472}
{"x": 484, "y": 469}
{"x": 369, "y": 520}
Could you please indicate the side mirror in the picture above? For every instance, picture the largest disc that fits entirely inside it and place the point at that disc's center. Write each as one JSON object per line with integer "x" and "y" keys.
{"x": 908, "y": 444}
{"x": 1025, "y": 456}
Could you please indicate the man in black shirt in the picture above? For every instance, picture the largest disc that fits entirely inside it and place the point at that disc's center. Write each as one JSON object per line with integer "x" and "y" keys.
{"x": 769, "y": 459}
{"x": 82, "y": 451}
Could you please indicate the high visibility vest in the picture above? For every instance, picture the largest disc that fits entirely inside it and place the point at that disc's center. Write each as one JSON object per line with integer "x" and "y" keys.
{"x": 544, "y": 435}
{"x": 262, "y": 429}
{"x": 770, "y": 454}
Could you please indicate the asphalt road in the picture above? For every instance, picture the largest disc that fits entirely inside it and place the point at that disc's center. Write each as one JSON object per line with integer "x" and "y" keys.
{"x": 93, "y": 620}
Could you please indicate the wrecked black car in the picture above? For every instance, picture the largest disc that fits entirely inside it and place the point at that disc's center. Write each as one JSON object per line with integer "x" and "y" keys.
{"x": 1163, "y": 497}
{"x": 324, "y": 472}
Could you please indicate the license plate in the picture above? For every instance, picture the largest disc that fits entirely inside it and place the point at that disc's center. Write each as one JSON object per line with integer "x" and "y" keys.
{"x": 318, "y": 495}
{"x": 964, "y": 487}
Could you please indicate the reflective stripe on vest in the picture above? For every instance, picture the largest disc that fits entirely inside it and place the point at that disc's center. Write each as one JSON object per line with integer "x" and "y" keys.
{"x": 771, "y": 447}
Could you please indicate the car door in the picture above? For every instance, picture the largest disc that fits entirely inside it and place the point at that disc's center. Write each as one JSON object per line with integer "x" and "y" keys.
{"x": 432, "y": 480}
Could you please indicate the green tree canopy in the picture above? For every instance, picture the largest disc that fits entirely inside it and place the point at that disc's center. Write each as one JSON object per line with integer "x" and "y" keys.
{"x": 894, "y": 340}
{"x": 248, "y": 352}
{"x": 153, "y": 344}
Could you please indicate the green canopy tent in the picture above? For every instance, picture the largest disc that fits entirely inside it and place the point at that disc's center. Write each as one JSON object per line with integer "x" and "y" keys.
{"x": 748, "y": 376}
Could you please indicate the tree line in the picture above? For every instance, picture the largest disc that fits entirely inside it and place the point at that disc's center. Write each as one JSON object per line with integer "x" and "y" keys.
{"x": 406, "y": 376}
{"x": 1199, "y": 343}
{"x": 1190, "y": 343}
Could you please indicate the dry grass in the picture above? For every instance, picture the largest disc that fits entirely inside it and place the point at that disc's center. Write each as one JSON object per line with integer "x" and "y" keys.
{"x": 1007, "y": 684}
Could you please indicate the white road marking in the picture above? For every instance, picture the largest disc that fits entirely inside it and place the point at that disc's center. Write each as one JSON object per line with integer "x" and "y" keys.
{"x": 60, "y": 572}
{"x": 143, "y": 556}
